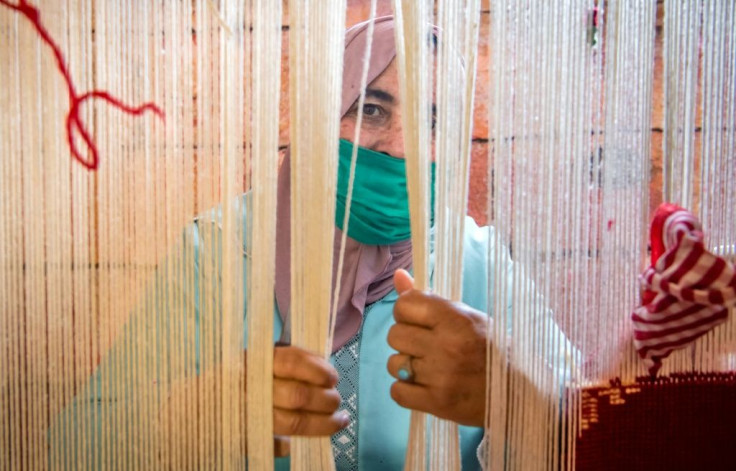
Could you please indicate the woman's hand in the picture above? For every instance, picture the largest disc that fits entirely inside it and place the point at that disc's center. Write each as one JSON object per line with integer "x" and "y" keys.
{"x": 305, "y": 400}
{"x": 442, "y": 346}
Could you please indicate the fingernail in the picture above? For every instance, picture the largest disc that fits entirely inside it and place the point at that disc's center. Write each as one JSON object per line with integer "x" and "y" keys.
{"x": 344, "y": 418}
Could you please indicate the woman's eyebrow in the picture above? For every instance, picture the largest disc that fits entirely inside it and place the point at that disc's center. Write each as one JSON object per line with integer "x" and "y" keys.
{"x": 379, "y": 95}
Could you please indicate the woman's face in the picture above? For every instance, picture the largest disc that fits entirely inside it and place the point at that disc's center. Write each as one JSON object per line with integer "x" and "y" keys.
{"x": 381, "y": 128}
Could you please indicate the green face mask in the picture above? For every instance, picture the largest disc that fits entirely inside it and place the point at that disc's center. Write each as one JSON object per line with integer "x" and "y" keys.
{"x": 379, "y": 211}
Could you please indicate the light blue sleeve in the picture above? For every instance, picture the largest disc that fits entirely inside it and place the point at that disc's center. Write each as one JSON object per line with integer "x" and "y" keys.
{"x": 165, "y": 341}
{"x": 548, "y": 349}
{"x": 132, "y": 379}
{"x": 487, "y": 257}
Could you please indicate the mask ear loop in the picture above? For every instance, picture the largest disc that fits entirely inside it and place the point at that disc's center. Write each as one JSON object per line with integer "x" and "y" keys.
{"x": 351, "y": 179}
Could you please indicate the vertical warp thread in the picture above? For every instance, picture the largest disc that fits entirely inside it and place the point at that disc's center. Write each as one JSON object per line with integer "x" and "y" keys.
{"x": 414, "y": 62}
{"x": 262, "y": 232}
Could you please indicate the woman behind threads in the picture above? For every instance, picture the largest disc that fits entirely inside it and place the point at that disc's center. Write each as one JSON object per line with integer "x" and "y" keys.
{"x": 395, "y": 348}
{"x": 442, "y": 382}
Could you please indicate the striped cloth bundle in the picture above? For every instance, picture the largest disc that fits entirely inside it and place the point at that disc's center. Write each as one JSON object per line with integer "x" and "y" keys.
{"x": 688, "y": 290}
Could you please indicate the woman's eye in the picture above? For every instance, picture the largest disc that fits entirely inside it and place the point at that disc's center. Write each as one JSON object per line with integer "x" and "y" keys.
{"x": 371, "y": 110}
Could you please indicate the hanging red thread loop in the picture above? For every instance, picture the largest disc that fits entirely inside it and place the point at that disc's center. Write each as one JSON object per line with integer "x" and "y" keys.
{"x": 74, "y": 122}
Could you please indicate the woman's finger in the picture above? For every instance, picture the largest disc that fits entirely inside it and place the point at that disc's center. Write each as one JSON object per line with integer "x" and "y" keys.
{"x": 420, "y": 308}
{"x": 296, "y": 395}
{"x": 289, "y": 422}
{"x": 413, "y": 396}
{"x": 298, "y": 364}
{"x": 411, "y": 339}
{"x": 403, "y": 281}
{"x": 281, "y": 446}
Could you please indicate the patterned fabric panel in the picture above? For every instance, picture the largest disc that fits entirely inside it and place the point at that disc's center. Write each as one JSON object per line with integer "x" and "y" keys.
{"x": 345, "y": 442}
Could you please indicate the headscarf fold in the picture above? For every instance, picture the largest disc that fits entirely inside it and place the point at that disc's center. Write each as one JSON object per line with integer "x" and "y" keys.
{"x": 367, "y": 269}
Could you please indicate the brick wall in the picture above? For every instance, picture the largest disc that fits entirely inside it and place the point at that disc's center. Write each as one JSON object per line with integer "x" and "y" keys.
{"x": 358, "y": 10}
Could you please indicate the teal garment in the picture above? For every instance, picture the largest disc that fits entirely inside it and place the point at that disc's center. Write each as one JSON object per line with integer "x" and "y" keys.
{"x": 170, "y": 340}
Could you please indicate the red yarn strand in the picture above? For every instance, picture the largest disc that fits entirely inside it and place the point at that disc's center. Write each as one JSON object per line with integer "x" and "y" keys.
{"x": 73, "y": 120}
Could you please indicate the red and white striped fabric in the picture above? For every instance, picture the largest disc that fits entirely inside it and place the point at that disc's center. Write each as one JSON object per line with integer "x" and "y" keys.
{"x": 688, "y": 290}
